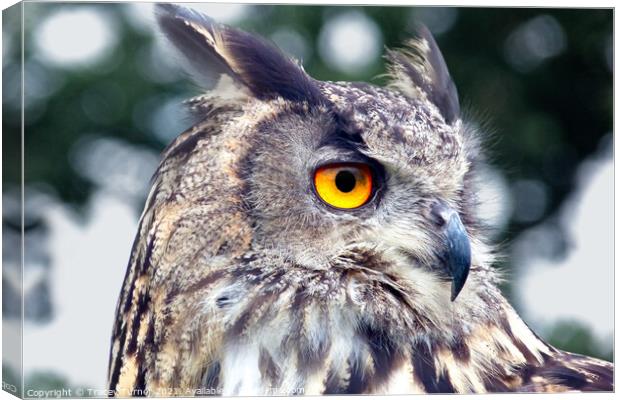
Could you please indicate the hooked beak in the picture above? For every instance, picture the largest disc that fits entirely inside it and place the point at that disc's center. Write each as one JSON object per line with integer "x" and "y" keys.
{"x": 457, "y": 251}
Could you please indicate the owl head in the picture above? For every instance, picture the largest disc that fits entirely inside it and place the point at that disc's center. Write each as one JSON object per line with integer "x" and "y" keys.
{"x": 318, "y": 172}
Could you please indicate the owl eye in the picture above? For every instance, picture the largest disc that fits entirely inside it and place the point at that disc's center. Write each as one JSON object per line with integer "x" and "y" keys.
{"x": 344, "y": 185}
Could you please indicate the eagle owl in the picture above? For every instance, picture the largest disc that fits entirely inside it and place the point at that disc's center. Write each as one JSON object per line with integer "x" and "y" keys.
{"x": 310, "y": 237}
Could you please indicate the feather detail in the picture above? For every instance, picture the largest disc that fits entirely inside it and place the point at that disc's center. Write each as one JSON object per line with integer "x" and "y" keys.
{"x": 420, "y": 72}
{"x": 213, "y": 49}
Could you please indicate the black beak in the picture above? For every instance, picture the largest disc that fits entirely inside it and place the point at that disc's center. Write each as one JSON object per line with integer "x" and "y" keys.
{"x": 457, "y": 248}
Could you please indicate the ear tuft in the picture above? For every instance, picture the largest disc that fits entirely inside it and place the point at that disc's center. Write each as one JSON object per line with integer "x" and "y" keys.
{"x": 420, "y": 71}
{"x": 213, "y": 49}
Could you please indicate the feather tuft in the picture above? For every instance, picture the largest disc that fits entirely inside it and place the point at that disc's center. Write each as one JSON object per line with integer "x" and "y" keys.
{"x": 420, "y": 72}
{"x": 214, "y": 49}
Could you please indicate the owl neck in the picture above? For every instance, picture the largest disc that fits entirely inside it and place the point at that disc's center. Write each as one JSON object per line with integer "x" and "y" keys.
{"x": 491, "y": 357}
{"x": 475, "y": 343}
{"x": 346, "y": 329}
{"x": 355, "y": 330}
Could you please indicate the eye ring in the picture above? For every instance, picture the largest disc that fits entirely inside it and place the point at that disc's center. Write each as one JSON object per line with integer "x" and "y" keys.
{"x": 344, "y": 185}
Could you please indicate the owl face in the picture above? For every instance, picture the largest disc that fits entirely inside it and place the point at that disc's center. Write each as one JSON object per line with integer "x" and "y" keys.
{"x": 365, "y": 133}
{"x": 339, "y": 166}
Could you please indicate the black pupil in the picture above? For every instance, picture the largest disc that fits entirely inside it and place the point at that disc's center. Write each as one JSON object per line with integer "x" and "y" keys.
{"x": 345, "y": 181}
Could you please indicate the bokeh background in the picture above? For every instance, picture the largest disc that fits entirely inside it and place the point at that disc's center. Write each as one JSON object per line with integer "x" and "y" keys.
{"x": 103, "y": 97}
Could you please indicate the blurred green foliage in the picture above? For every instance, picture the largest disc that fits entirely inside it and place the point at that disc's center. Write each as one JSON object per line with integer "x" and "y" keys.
{"x": 9, "y": 377}
{"x": 576, "y": 337}
{"x": 46, "y": 381}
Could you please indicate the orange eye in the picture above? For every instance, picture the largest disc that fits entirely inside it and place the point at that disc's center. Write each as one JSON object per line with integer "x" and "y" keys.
{"x": 347, "y": 185}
